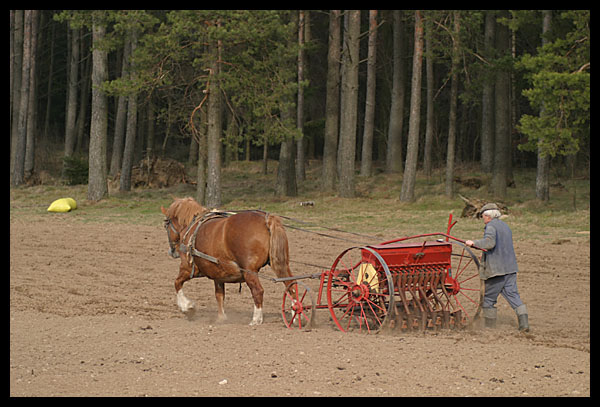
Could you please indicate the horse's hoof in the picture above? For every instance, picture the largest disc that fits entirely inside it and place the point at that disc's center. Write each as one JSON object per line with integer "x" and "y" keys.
{"x": 190, "y": 313}
{"x": 257, "y": 317}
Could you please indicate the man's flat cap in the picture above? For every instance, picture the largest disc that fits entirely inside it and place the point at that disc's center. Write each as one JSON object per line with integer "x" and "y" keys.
{"x": 487, "y": 207}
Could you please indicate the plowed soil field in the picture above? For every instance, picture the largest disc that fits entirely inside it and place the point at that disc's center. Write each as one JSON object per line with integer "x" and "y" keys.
{"x": 93, "y": 313}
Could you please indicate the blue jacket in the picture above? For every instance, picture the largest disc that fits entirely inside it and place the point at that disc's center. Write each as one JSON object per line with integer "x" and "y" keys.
{"x": 500, "y": 258}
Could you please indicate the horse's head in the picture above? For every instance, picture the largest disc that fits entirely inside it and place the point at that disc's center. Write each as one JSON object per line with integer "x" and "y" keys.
{"x": 178, "y": 217}
{"x": 172, "y": 228}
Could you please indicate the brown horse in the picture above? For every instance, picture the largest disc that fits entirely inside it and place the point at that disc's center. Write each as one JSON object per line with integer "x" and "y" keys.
{"x": 226, "y": 249}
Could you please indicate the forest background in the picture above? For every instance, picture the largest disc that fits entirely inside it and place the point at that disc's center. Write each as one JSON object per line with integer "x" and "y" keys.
{"x": 391, "y": 91}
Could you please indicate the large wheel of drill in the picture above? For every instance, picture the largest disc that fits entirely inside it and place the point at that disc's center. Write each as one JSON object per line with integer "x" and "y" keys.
{"x": 298, "y": 309}
{"x": 463, "y": 286}
{"x": 360, "y": 291}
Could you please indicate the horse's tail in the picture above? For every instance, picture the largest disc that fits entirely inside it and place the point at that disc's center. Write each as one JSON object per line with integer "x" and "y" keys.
{"x": 279, "y": 252}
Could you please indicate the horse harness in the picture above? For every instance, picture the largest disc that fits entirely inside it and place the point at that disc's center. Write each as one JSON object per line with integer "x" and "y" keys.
{"x": 192, "y": 232}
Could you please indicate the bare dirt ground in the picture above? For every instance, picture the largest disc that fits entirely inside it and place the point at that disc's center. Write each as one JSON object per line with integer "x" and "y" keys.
{"x": 93, "y": 313}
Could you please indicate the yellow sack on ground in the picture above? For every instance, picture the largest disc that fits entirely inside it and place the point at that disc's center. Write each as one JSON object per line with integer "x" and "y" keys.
{"x": 72, "y": 203}
{"x": 62, "y": 205}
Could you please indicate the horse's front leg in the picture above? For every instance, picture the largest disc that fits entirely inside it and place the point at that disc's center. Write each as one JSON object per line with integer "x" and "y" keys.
{"x": 185, "y": 305}
{"x": 220, "y": 295}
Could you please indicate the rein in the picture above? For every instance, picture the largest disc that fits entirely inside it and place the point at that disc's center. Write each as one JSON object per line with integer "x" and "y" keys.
{"x": 287, "y": 225}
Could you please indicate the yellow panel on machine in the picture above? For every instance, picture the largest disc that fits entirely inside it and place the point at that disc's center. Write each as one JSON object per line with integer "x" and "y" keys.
{"x": 367, "y": 274}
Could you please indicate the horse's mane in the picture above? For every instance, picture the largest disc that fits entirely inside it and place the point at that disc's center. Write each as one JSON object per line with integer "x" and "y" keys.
{"x": 184, "y": 210}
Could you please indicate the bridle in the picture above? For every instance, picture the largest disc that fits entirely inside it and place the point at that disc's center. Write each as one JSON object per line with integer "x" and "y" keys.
{"x": 192, "y": 230}
{"x": 173, "y": 252}
{"x": 193, "y": 227}
{"x": 175, "y": 245}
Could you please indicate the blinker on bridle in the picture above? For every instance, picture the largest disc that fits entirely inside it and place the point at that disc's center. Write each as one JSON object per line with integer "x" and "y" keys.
{"x": 172, "y": 245}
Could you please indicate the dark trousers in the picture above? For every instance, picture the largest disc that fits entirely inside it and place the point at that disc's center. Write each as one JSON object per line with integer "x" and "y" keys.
{"x": 505, "y": 285}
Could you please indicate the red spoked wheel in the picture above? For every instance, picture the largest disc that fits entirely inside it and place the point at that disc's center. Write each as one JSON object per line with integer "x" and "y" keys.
{"x": 463, "y": 285}
{"x": 360, "y": 290}
{"x": 297, "y": 309}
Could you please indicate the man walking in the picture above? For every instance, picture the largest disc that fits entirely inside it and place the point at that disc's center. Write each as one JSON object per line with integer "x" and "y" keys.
{"x": 499, "y": 268}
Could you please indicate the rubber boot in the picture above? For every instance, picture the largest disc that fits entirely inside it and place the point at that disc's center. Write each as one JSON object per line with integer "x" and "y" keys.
{"x": 523, "y": 318}
{"x": 489, "y": 316}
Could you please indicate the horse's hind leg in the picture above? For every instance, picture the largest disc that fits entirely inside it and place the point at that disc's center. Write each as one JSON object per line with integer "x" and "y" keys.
{"x": 183, "y": 302}
{"x": 220, "y": 295}
{"x": 257, "y": 294}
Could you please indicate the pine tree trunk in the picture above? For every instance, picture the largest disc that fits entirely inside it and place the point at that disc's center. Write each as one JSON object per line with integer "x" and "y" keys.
{"x": 17, "y": 65}
{"x": 332, "y": 103}
{"x": 201, "y": 172}
{"x": 349, "y": 106}
{"x": 542, "y": 180}
{"x": 85, "y": 83}
{"x": 286, "y": 173}
{"x": 393, "y": 161}
{"x": 412, "y": 149}
{"x": 300, "y": 144}
{"x": 487, "y": 99}
{"x": 130, "y": 132}
{"x": 32, "y": 107}
{"x": 429, "y": 126}
{"x": 12, "y": 59}
{"x": 97, "y": 183}
{"x": 502, "y": 118}
{"x": 451, "y": 151}
{"x": 50, "y": 82}
{"x": 119, "y": 133}
{"x": 18, "y": 174}
{"x": 366, "y": 162}
{"x": 265, "y": 159}
{"x": 286, "y": 170}
{"x": 72, "y": 94}
{"x": 150, "y": 135}
{"x": 213, "y": 174}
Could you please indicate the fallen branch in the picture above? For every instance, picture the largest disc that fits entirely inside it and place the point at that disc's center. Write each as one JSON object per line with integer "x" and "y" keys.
{"x": 473, "y": 207}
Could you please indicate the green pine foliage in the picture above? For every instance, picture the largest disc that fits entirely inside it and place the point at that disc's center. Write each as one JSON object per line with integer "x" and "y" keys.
{"x": 75, "y": 170}
{"x": 257, "y": 66}
{"x": 560, "y": 89}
